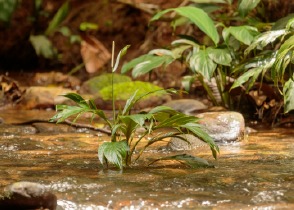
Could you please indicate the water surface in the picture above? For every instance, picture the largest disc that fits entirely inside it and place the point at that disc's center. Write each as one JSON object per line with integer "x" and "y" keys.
{"x": 257, "y": 173}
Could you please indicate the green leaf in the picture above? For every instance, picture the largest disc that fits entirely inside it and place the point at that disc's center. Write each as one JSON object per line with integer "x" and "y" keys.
{"x": 288, "y": 91}
{"x": 43, "y": 46}
{"x": 283, "y": 59}
{"x": 113, "y": 152}
{"x": 6, "y": 9}
{"x": 165, "y": 109}
{"x": 66, "y": 112}
{"x": 58, "y": 18}
{"x": 119, "y": 56}
{"x": 220, "y": 56}
{"x": 129, "y": 104}
{"x": 201, "y": 63}
{"x": 254, "y": 72}
{"x": 245, "y": 6}
{"x": 191, "y": 161}
{"x": 148, "y": 65}
{"x": 244, "y": 34}
{"x": 75, "y": 97}
{"x": 198, "y": 17}
{"x": 264, "y": 39}
{"x": 176, "y": 120}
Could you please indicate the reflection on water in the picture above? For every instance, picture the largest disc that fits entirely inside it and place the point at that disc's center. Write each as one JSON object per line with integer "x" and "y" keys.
{"x": 257, "y": 173}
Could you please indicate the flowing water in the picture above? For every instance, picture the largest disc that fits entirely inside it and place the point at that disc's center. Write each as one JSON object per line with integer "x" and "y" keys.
{"x": 257, "y": 173}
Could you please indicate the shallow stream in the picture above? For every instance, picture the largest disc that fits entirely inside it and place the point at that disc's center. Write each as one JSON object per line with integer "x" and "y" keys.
{"x": 257, "y": 173}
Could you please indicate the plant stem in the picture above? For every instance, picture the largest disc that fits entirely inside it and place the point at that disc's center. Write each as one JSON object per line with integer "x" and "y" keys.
{"x": 112, "y": 78}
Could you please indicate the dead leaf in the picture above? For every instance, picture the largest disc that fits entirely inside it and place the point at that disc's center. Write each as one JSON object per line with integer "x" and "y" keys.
{"x": 94, "y": 54}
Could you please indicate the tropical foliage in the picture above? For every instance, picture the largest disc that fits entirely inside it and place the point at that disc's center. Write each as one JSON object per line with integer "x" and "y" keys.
{"x": 239, "y": 56}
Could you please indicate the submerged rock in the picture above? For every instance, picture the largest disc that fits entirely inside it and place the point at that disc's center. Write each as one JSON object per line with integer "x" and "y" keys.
{"x": 27, "y": 195}
{"x": 223, "y": 126}
{"x": 190, "y": 142}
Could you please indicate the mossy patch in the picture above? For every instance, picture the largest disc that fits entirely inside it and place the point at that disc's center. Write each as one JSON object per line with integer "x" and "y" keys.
{"x": 124, "y": 90}
{"x": 97, "y": 83}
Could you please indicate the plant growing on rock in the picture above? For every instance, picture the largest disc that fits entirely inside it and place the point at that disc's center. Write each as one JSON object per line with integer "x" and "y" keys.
{"x": 162, "y": 121}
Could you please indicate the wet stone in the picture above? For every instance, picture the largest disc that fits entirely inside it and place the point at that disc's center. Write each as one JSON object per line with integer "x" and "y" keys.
{"x": 17, "y": 130}
{"x": 223, "y": 126}
{"x": 27, "y": 195}
{"x": 43, "y": 127}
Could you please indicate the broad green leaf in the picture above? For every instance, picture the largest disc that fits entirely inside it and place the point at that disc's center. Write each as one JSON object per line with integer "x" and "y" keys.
{"x": 113, "y": 152}
{"x": 220, "y": 56}
{"x": 191, "y": 161}
{"x": 245, "y": 6}
{"x": 58, "y": 18}
{"x": 244, "y": 34}
{"x": 119, "y": 56}
{"x": 198, "y": 17}
{"x": 288, "y": 91}
{"x": 149, "y": 65}
{"x": 43, "y": 46}
{"x": 264, "y": 39}
{"x": 7, "y": 8}
{"x": 202, "y": 64}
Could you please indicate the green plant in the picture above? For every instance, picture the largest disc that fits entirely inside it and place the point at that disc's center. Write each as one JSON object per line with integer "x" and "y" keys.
{"x": 240, "y": 57}
{"x": 163, "y": 121}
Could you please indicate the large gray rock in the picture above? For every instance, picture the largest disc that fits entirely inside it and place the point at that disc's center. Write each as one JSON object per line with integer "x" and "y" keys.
{"x": 223, "y": 126}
